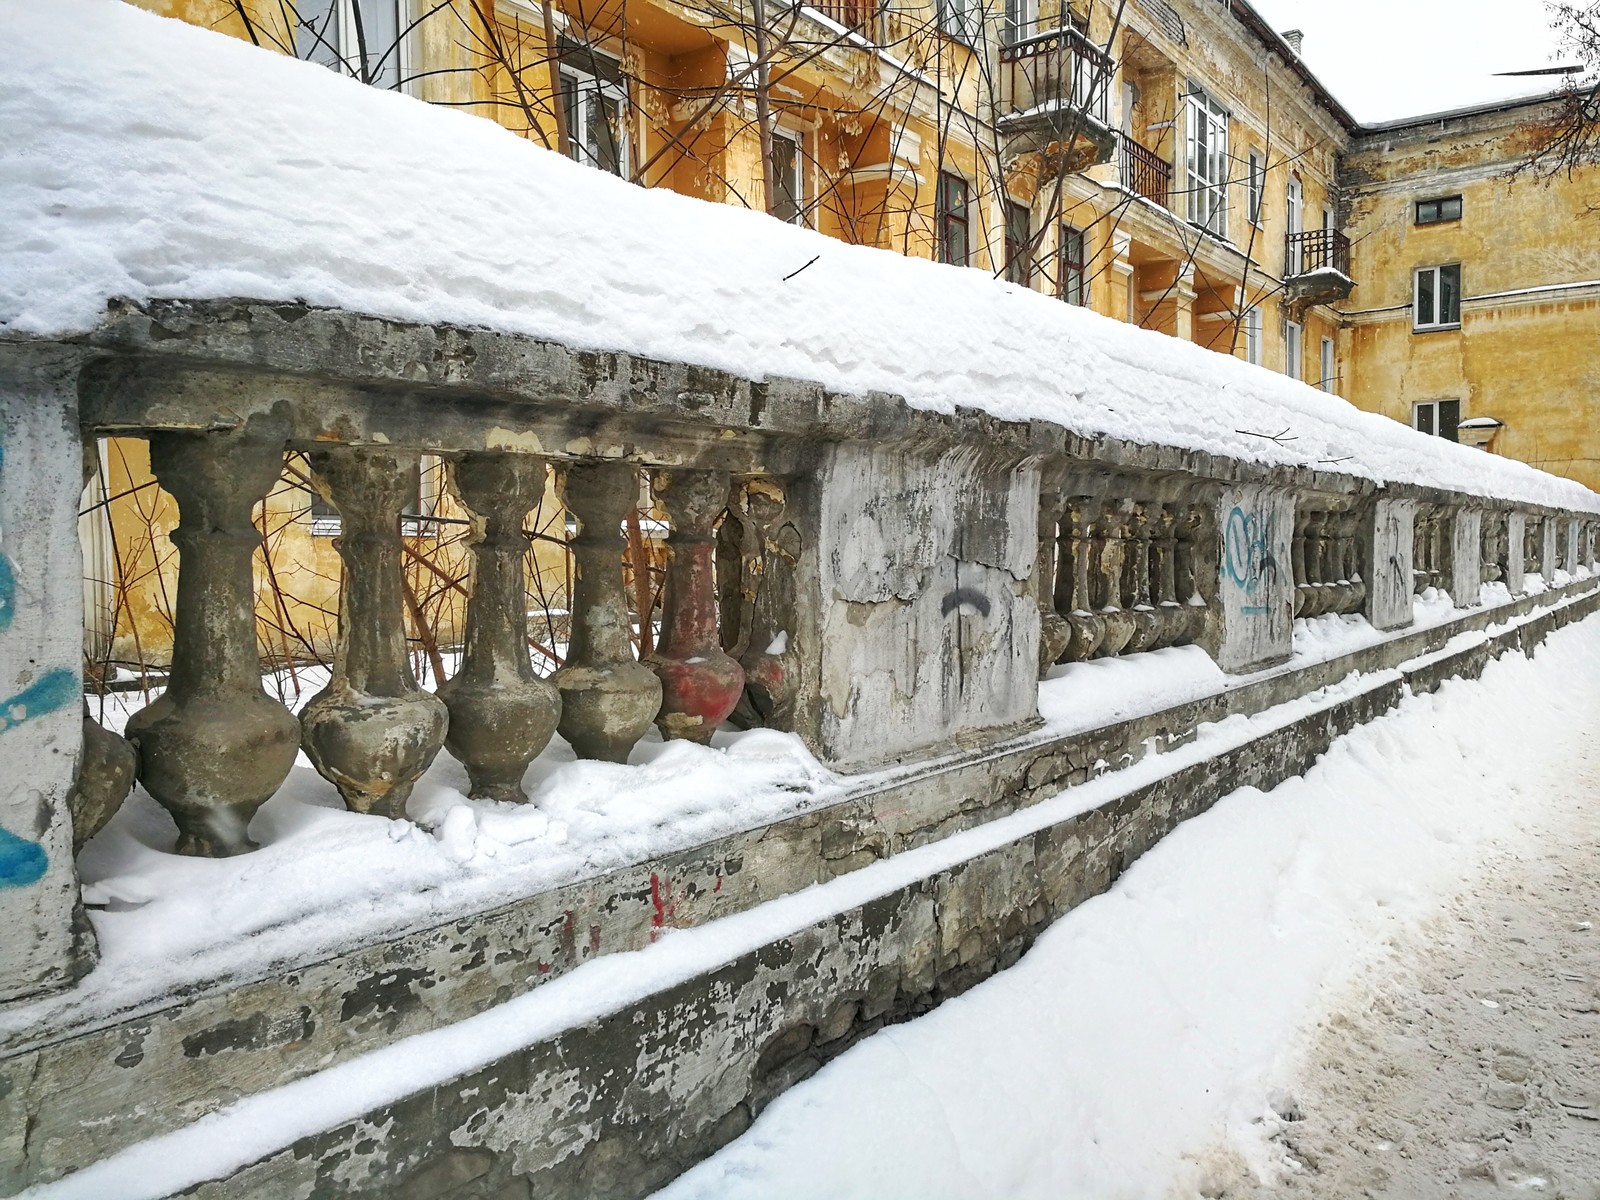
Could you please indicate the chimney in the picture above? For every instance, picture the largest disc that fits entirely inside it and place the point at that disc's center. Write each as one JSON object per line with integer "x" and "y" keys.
{"x": 1294, "y": 37}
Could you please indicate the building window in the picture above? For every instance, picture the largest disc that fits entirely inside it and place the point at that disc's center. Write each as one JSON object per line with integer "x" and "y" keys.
{"x": 1256, "y": 182}
{"x": 355, "y": 37}
{"x": 1252, "y": 335}
{"x": 1292, "y": 365}
{"x": 1018, "y": 21}
{"x": 1074, "y": 267}
{"x": 1294, "y": 223}
{"x": 1432, "y": 212}
{"x": 1437, "y": 303}
{"x": 1438, "y": 417}
{"x": 959, "y": 19}
{"x": 1326, "y": 382}
{"x": 1019, "y": 243}
{"x": 1207, "y": 158}
{"x": 595, "y": 110}
{"x": 951, "y": 214}
{"x": 788, "y": 177}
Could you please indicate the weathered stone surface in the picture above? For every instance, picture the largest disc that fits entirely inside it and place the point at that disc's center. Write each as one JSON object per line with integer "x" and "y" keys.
{"x": 214, "y": 747}
{"x": 501, "y": 712}
{"x": 1389, "y": 544}
{"x": 608, "y": 697}
{"x": 105, "y": 777}
{"x": 1256, "y": 608}
{"x": 1515, "y": 560}
{"x": 1466, "y": 568}
{"x": 44, "y": 942}
{"x": 372, "y": 731}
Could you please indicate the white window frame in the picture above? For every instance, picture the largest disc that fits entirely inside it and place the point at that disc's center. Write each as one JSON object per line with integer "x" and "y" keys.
{"x": 1293, "y": 350}
{"x": 960, "y": 19}
{"x": 1018, "y": 20}
{"x": 342, "y": 24}
{"x": 1206, "y": 161}
{"x": 1328, "y": 366}
{"x": 1294, "y": 201}
{"x": 1252, "y": 335}
{"x": 1433, "y": 407}
{"x": 796, "y": 139}
{"x": 587, "y": 89}
{"x": 1416, "y": 297}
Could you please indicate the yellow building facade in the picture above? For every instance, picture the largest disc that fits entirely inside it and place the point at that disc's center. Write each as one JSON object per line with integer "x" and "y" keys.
{"x": 1166, "y": 162}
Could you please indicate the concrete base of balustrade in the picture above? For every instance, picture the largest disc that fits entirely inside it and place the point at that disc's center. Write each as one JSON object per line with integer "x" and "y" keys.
{"x": 616, "y": 1107}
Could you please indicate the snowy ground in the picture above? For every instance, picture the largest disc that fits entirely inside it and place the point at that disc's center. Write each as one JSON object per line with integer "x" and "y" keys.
{"x": 1343, "y": 948}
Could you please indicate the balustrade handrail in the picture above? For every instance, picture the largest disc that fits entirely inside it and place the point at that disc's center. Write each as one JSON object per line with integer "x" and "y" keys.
{"x": 1144, "y": 172}
{"x": 1054, "y": 62}
{"x": 1316, "y": 250}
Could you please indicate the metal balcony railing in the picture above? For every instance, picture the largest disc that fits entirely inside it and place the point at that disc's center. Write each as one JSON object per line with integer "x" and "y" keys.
{"x": 1144, "y": 172}
{"x": 1053, "y": 69}
{"x": 1316, "y": 250}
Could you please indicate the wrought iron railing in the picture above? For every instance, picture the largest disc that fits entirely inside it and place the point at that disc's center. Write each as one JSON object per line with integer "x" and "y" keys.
{"x": 859, "y": 15}
{"x": 1144, "y": 172}
{"x": 1053, "y": 68}
{"x": 1316, "y": 250}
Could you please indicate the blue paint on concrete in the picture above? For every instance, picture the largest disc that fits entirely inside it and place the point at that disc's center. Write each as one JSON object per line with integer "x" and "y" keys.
{"x": 21, "y": 862}
{"x": 53, "y": 690}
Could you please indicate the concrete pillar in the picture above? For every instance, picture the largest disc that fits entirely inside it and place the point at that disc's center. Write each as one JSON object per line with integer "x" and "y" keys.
{"x": 45, "y": 942}
{"x": 1388, "y": 544}
{"x": 1256, "y": 578}
{"x": 1547, "y": 549}
{"x": 608, "y": 697}
{"x": 502, "y": 713}
{"x": 916, "y": 618}
{"x": 372, "y": 731}
{"x": 1571, "y": 557}
{"x": 1465, "y": 578}
{"x": 1515, "y": 564}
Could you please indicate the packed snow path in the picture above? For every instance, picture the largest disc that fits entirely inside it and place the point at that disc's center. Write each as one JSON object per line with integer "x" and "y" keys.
{"x": 1466, "y": 1063}
{"x": 1343, "y": 950}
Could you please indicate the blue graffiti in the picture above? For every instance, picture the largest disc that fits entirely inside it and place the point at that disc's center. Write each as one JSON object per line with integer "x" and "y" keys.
{"x": 21, "y": 862}
{"x": 1247, "y": 548}
{"x": 54, "y": 689}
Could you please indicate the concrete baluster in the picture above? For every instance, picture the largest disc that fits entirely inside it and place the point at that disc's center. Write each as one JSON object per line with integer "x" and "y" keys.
{"x": 1350, "y": 562}
{"x": 1297, "y": 560}
{"x": 608, "y": 697}
{"x": 1318, "y": 596}
{"x": 700, "y": 682}
{"x": 1191, "y": 524}
{"x": 502, "y": 713}
{"x": 1110, "y": 550}
{"x": 372, "y": 731}
{"x": 1074, "y": 595}
{"x": 1136, "y": 582}
{"x": 1173, "y": 621}
{"x": 214, "y": 746}
{"x": 109, "y": 763}
{"x": 1055, "y": 631}
{"x": 758, "y": 611}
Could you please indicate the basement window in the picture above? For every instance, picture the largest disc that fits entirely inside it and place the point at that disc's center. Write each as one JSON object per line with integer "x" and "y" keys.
{"x": 1434, "y": 212}
{"x": 1438, "y": 417}
{"x": 1436, "y": 301}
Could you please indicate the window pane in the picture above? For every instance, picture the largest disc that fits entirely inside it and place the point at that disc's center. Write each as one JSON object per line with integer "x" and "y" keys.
{"x": 1427, "y": 212}
{"x": 316, "y": 38}
{"x": 786, "y": 179}
{"x": 569, "y": 106}
{"x": 605, "y": 131}
{"x": 1422, "y": 418}
{"x": 1450, "y": 295}
{"x": 377, "y": 24}
{"x": 1449, "y": 418}
{"x": 1450, "y": 210}
{"x": 1018, "y": 235}
{"x": 1425, "y": 309}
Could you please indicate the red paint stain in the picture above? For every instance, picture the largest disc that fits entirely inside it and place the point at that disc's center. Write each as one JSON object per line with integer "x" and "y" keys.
{"x": 718, "y": 888}
{"x": 594, "y": 939}
{"x": 544, "y": 968}
{"x": 662, "y": 902}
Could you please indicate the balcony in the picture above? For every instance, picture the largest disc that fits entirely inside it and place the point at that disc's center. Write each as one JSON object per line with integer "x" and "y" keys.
{"x": 858, "y": 15}
{"x": 1316, "y": 267}
{"x": 1054, "y": 84}
{"x": 1143, "y": 171}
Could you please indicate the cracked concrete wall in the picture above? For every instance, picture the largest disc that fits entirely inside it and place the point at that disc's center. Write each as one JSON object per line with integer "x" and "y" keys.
{"x": 1256, "y": 579}
{"x": 1388, "y": 547}
{"x": 926, "y": 628}
{"x": 619, "y": 1106}
{"x": 46, "y": 941}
